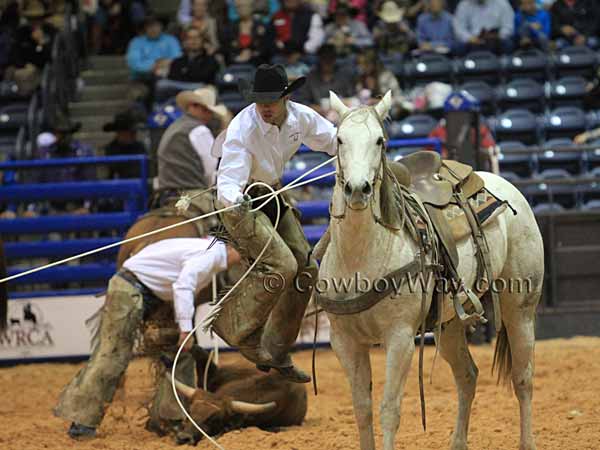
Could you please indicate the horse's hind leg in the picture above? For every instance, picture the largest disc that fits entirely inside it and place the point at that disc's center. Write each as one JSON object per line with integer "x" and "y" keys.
{"x": 454, "y": 349}
{"x": 399, "y": 348}
{"x": 354, "y": 358}
{"x": 519, "y": 320}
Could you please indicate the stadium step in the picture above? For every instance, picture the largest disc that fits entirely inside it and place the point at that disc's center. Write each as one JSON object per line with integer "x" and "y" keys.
{"x": 93, "y": 123}
{"x": 108, "y": 62}
{"x": 97, "y": 139}
{"x": 96, "y": 77}
{"x": 105, "y": 92}
{"x": 94, "y": 108}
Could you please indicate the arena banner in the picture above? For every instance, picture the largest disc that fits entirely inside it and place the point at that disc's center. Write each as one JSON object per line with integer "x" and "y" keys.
{"x": 48, "y": 327}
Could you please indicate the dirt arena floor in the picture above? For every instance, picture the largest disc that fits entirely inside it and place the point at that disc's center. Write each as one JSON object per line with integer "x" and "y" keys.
{"x": 566, "y": 407}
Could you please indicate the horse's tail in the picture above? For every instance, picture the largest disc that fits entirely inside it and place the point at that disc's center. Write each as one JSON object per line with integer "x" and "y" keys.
{"x": 503, "y": 357}
{"x": 3, "y": 292}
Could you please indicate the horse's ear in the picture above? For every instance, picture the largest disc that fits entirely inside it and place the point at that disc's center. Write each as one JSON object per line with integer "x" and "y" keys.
{"x": 336, "y": 104}
{"x": 384, "y": 105}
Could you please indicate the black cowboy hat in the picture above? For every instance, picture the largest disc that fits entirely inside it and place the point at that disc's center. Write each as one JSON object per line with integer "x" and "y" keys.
{"x": 270, "y": 84}
{"x": 63, "y": 124}
{"x": 122, "y": 122}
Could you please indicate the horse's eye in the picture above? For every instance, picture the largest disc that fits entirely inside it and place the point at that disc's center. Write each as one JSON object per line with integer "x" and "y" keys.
{"x": 380, "y": 141}
{"x": 339, "y": 141}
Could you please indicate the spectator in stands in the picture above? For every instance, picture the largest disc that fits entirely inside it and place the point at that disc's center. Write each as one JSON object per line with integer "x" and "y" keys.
{"x": 265, "y": 9}
{"x": 196, "y": 65}
{"x": 64, "y": 146}
{"x": 532, "y": 25}
{"x": 294, "y": 67}
{"x": 487, "y": 144}
{"x": 125, "y": 142}
{"x": 411, "y": 9}
{"x": 114, "y": 23}
{"x": 245, "y": 40}
{"x": 485, "y": 25}
{"x": 345, "y": 33}
{"x": 375, "y": 80}
{"x": 297, "y": 23}
{"x": 392, "y": 33}
{"x": 217, "y": 9}
{"x": 150, "y": 55}
{"x": 205, "y": 23}
{"x": 32, "y": 49}
{"x": 360, "y": 7}
{"x": 575, "y": 22}
{"x": 435, "y": 30}
{"x": 184, "y": 158}
{"x": 323, "y": 78}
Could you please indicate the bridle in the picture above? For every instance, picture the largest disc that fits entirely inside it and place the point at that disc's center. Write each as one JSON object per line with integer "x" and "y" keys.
{"x": 379, "y": 172}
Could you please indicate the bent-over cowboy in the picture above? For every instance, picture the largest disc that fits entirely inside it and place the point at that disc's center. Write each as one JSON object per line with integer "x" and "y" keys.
{"x": 171, "y": 270}
{"x": 258, "y": 142}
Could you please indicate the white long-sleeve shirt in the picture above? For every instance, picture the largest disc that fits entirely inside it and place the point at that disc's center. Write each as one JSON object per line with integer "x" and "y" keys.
{"x": 472, "y": 17}
{"x": 255, "y": 150}
{"x": 177, "y": 269}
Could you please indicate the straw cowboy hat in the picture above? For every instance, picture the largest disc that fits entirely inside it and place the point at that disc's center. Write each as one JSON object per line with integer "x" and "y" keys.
{"x": 205, "y": 96}
{"x": 391, "y": 12}
{"x": 270, "y": 84}
{"x": 35, "y": 10}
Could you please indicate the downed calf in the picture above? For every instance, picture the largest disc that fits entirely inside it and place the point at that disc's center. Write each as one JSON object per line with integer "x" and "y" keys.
{"x": 238, "y": 397}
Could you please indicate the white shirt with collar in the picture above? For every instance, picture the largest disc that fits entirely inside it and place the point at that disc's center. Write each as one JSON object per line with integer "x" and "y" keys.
{"x": 258, "y": 151}
{"x": 177, "y": 269}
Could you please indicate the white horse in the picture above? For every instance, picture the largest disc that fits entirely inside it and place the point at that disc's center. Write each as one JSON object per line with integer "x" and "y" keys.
{"x": 360, "y": 244}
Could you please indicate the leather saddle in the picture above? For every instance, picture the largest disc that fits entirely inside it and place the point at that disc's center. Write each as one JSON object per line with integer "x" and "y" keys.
{"x": 433, "y": 180}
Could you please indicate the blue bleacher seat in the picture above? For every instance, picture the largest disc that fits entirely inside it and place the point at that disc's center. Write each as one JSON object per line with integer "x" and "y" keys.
{"x": 517, "y": 125}
{"x": 479, "y": 65}
{"x": 165, "y": 89}
{"x": 547, "y": 192}
{"x": 228, "y": 77}
{"x": 427, "y": 68}
{"x": 566, "y": 121}
{"x": 592, "y": 205}
{"x": 522, "y": 93}
{"x": 416, "y": 126}
{"x": 552, "y": 158}
{"x": 568, "y": 91}
{"x": 394, "y": 62}
{"x": 511, "y": 177}
{"x": 576, "y": 60}
{"x": 13, "y": 116}
{"x": 547, "y": 208}
{"x": 484, "y": 93}
{"x": 520, "y": 163}
{"x": 592, "y": 158}
{"x": 530, "y": 63}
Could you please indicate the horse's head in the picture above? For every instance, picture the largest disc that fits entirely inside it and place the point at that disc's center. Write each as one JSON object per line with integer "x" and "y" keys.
{"x": 361, "y": 147}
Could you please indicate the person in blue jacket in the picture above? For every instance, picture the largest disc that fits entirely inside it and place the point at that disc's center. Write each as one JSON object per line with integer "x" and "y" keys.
{"x": 149, "y": 56}
{"x": 532, "y": 25}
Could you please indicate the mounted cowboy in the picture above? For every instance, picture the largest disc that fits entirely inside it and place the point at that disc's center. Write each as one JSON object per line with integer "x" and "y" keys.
{"x": 257, "y": 144}
{"x": 163, "y": 277}
{"x": 185, "y": 164}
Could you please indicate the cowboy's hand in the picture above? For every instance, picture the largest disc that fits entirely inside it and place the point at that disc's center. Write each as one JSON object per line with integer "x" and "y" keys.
{"x": 244, "y": 204}
{"x": 189, "y": 343}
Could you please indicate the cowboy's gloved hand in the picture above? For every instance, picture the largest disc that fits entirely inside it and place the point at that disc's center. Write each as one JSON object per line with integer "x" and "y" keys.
{"x": 244, "y": 204}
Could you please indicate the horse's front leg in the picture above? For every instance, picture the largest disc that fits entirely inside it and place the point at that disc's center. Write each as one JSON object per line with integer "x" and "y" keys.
{"x": 354, "y": 358}
{"x": 399, "y": 347}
